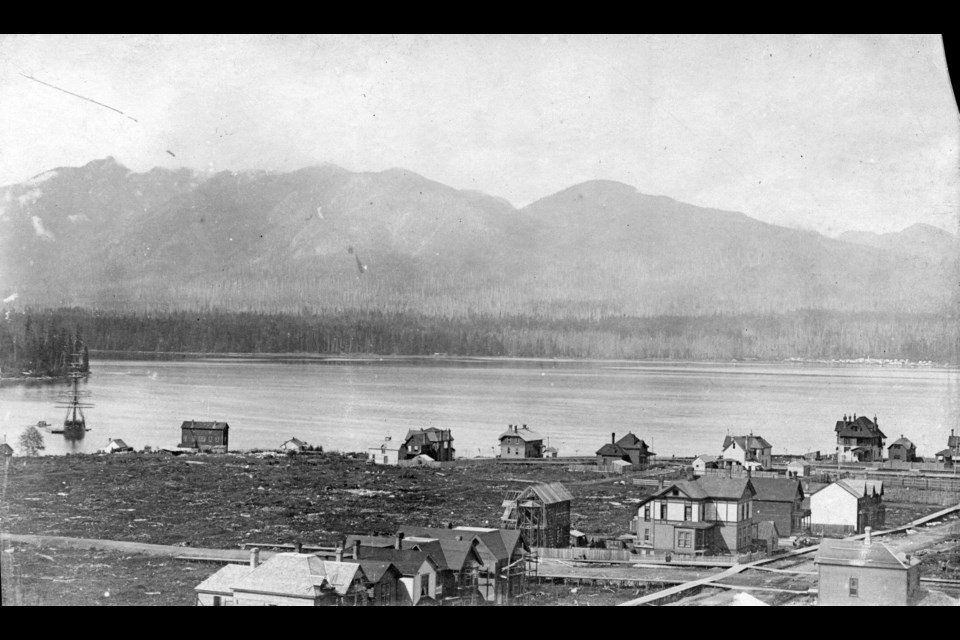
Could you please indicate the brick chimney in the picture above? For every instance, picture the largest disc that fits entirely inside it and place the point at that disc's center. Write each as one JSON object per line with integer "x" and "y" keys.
{"x": 339, "y": 553}
{"x": 254, "y": 558}
{"x": 356, "y": 549}
{"x": 398, "y": 543}
{"x": 613, "y": 438}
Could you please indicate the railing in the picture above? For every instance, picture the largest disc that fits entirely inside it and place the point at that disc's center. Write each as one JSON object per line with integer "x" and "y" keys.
{"x": 623, "y": 555}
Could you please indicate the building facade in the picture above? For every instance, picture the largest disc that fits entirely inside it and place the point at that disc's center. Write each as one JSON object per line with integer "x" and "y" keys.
{"x": 747, "y": 451}
{"x": 847, "y": 506}
{"x": 517, "y": 442}
{"x": 436, "y": 443}
{"x": 864, "y": 573}
{"x": 859, "y": 439}
{"x": 205, "y": 436}
{"x": 780, "y": 500}
{"x": 711, "y": 515}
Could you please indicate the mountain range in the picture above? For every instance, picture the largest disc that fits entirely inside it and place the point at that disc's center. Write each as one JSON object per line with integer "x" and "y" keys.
{"x": 324, "y": 238}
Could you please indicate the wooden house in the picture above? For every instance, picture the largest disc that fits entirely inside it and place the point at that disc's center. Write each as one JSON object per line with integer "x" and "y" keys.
{"x": 799, "y": 468}
{"x": 902, "y": 450}
{"x": 6, "y": 451}
{"x": 706, "y": 516}
{"x": 847, "y": 506}
{"x": 418, "y": 571}
{"x": 294, "y": 444}
{"x": 517, "y": 442}
{"x": 387, "y": 451}
{"x": 703, "y": 462}
{"x": 502, "y": 576}
{"x": 116, "y": 445}
{"x": 541, "y": 512}
{"x": 436, "y": 443}
{"x": 747, "y": 451}
{"x": 550, "y": 452}
{"x": 859, "y": 439}
{"x": 629, "y": 448}
{"x": 780, "y": 500}
{"x": 457, "y": 560}
{"x": 286, "y": 579}
{"x": 383, "y": 583}
{"x": 950, "y": 455}
{"x": 865, "y": 573}
{"x": 204, "y": 436}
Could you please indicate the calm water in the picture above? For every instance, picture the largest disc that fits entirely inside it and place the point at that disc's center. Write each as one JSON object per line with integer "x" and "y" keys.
{"x": 680, "y": 409}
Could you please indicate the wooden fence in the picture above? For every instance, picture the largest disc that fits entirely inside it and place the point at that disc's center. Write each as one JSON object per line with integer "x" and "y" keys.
{"x": 624, "y": 555}
{"x": 599, "y": 468}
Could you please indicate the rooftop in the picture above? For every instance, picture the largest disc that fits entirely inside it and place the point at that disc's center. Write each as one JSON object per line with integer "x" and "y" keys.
{"x": 777, "y": 489}
{"x": 859, "y": 553}
{"x": 747, "y": 442}
{"x": 527, "y": 435}
{"x": 193, "y": 424}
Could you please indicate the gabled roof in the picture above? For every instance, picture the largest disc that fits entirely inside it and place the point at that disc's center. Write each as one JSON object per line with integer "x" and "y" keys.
{"x": 376, "y": 569}
{"x": 6, "y": 449}
{"x": 706, "y": 458}
{"x": 549, "y": 493}
{"x": 777, "y": 489}
{"x": 953, "y": 441}
{"x": 747, "y": 442}
{"x": 527, "y": 435}
{"x": 214, "y": 426}
{"x": 120, "y": 443}
{"x": 856, "y": 553}
{"x": 709, "y": 487}
{"x": 945, "y": 453}
{"x": 296, "y": 442}
{"x": 387, "y": 443}
{"x": 428, "y": 435}
{"x": 407, "y": 561}
{"x": 298, "y": 575}
{"x": 858, "y": 488}
{"x": 631, "y": 441}
{"x": 902, "y": 442}
{"x": 495, "y": 543}
{"x": 611, "y": 450}
{"x": 223, "y": 580}
{"x": 862, "y": 427}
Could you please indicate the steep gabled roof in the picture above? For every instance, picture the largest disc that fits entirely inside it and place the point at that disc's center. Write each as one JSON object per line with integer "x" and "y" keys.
{"x": 902, "y": 442}
{"x": 376, "y": 569}
{"x": 862, "y": 427}
{"x": 727, "y": 488}
{"x": 631, "y": 441}
{"x": 549, "y": 493}
{"x": 777, "y": 489}
{"x": 747, "y": 442}
{"x": 611, "y": 450}
{"x": 857, "y": 488}
{"x": 427, "y": 436}
{"x": 407, "y": 561}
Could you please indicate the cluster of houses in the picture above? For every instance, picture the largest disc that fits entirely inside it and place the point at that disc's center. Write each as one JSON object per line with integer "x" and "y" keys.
{"x": 418, "y": 566}
{"x": 420, "y": 445}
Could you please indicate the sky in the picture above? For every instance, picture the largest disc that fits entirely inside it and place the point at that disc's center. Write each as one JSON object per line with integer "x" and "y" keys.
{"x": 830, "y": 133}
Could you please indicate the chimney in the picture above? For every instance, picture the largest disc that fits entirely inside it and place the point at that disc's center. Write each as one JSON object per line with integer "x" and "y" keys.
{"x": 254, "y": 558}
{"x": 866, "y": 539}
{"x": 339, "y": 553}
{"x": 524, "y": 426}
{"x": 356, "y": 549}
{"x": 398, "y": 544}
{"x": 613, "y": 438}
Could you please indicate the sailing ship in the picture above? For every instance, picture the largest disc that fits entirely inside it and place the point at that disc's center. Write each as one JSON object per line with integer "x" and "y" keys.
{"x": 75, "y": 423}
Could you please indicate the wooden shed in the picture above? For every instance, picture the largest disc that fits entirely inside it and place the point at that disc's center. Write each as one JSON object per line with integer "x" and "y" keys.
{"x": 542, "y": 514}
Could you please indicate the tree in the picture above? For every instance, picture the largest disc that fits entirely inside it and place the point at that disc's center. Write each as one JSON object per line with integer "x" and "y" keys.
{"x": 31, "y": 441}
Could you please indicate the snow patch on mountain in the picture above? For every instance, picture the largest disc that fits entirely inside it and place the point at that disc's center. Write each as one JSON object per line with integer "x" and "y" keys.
{"x": 42, "y": 231}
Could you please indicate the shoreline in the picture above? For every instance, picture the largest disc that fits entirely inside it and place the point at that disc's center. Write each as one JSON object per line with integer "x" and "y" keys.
{"x": 445, "y": 358}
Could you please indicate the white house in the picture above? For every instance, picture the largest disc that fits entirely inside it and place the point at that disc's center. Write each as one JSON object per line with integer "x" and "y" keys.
{"x": 388, "y": 451}
{"x": 747, "y": 449}
{"x": 798, "y": 468}
{"x": 294, "y": 444}
{"x": 116, "y": 446}
{"x": 847, "y": 506}
{"x": 703, "y": 462}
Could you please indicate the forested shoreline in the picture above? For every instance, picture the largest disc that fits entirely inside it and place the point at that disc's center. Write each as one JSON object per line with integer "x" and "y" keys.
{"x": 36, "y": 339}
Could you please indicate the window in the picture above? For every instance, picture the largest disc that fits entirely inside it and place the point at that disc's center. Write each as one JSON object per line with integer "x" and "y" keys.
{"x": 688, "y": 512}
{"x": 386, "y": 459}
{"x": 216, "y": 601}
{"x": 646, "y": 535}
{"x": 646, "y": 513}
{"x": 854, "y": 588}
{"x": 663, "y": 510}
{"x": 424, "y": 586}
{"x": 684, "y": 540}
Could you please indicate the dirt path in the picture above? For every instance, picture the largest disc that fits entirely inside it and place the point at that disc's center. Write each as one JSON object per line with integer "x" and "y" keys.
{"x": 226, "y": 555}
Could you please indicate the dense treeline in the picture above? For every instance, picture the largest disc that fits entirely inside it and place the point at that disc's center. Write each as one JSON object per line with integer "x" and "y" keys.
{"x": 36, "y": 345}
{"x": 806, "y": 334}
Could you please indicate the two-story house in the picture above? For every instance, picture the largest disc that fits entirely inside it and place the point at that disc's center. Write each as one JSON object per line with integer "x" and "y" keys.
{"x": 436, "y": 443}
{"x": 747, "y": 451}
{"x": 902, "y": 450}
{"x": 780, "y": 500}
{"x": 952, "y": 453}
{"x": 859, "y": 439}
{"x": 520, "y": 443}
{"x": 706, "y": 516}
